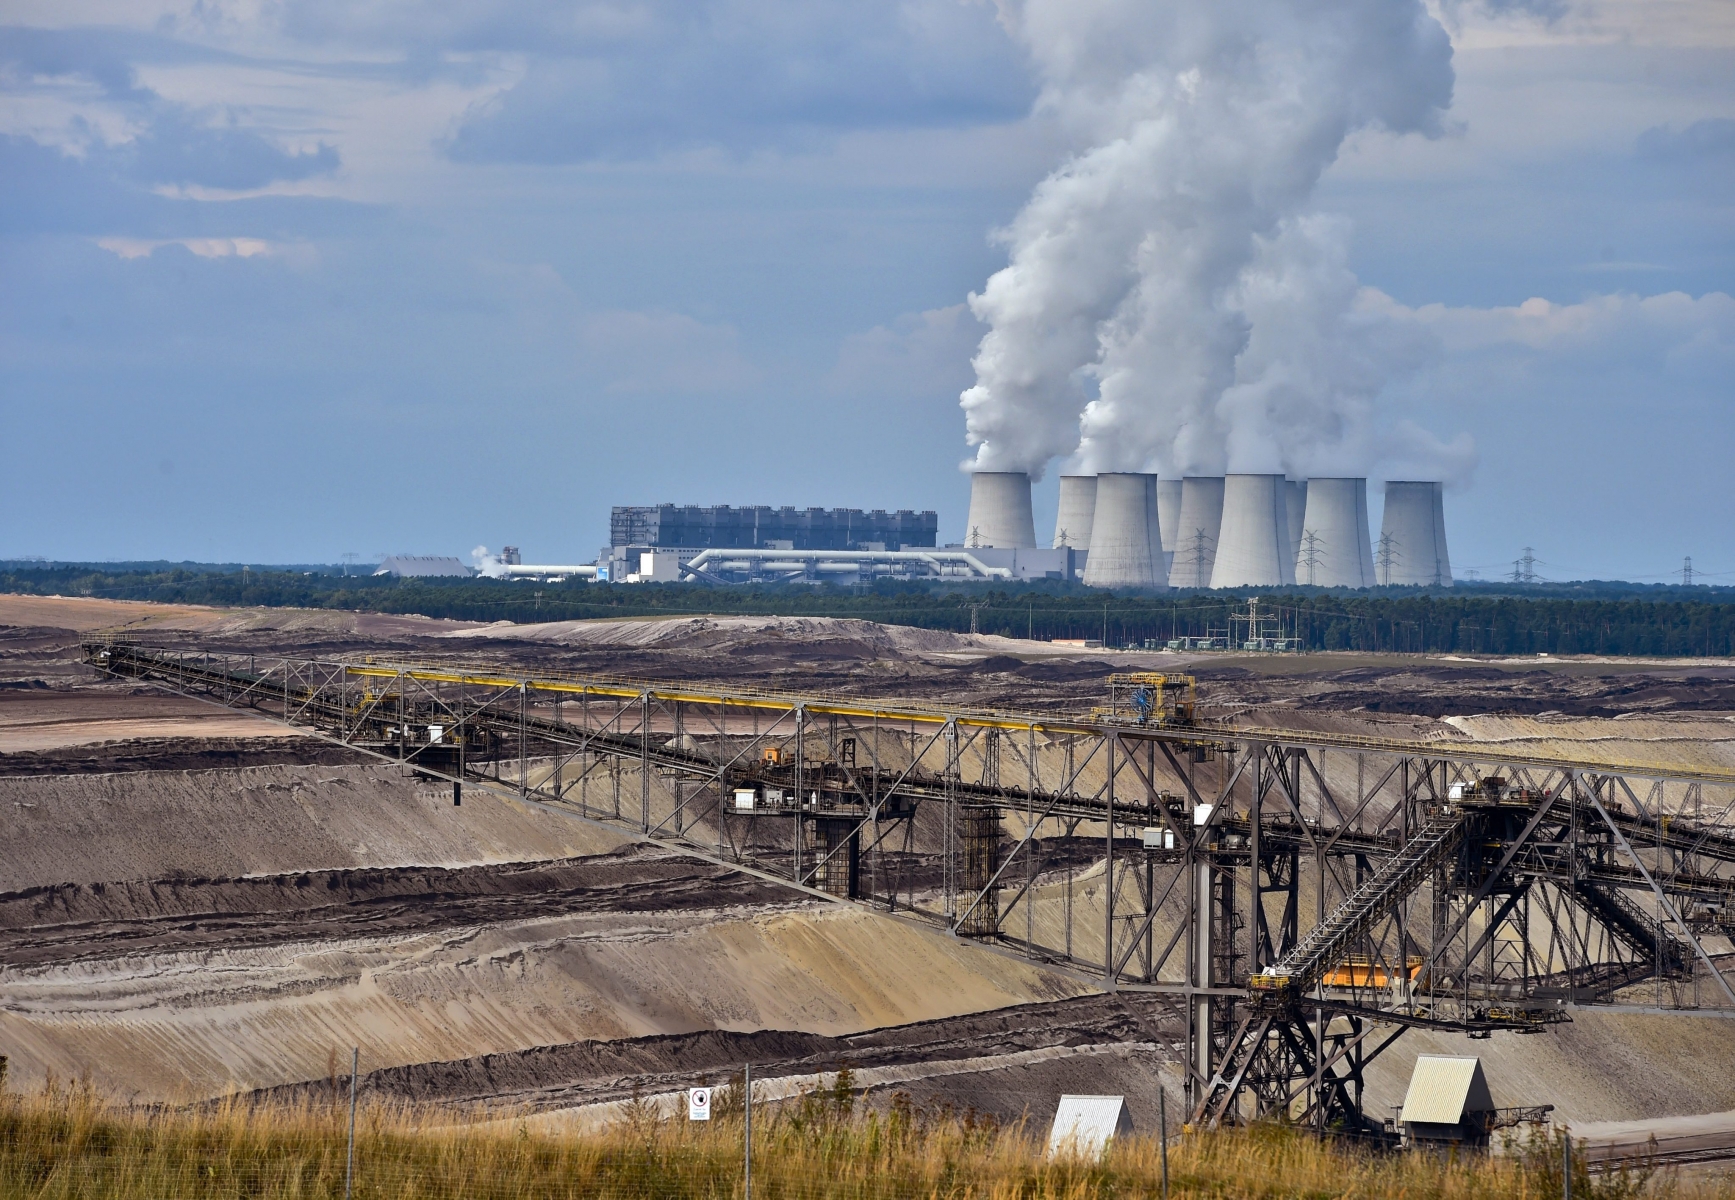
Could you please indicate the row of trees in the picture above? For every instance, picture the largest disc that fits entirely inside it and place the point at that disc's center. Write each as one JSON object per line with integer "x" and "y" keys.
{"x": 1461, "y": 621}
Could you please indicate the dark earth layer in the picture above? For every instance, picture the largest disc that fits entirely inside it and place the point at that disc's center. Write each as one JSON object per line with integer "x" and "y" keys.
{"x": 590, "y": 1072}
{"x": 70, "y": 922}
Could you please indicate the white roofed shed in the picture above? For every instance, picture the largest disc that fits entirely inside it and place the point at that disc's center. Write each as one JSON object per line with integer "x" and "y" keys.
{"x": 1448, "y": 1100}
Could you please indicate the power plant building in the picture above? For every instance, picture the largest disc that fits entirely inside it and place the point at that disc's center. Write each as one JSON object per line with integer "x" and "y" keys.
{"x": 1117, "y": 529}
{"x": 669, "y": 526}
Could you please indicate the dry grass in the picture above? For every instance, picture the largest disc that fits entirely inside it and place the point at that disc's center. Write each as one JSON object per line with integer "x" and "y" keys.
{"x": 68, "y": 1143}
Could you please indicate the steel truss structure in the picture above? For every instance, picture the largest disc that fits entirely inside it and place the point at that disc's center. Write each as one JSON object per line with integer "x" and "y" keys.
{"x": 1299, "y": 899}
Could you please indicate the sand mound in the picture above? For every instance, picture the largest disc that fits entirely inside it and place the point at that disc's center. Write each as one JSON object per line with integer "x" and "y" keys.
{"x": 195, "y": 1024}
{"x": 263, "y": 820}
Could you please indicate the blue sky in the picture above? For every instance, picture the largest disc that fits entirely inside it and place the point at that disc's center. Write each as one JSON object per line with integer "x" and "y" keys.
{"x": 285, "y": 280}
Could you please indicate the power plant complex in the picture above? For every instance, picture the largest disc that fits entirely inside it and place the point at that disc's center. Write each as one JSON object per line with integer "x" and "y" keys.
{"x": 1117, "y": 529}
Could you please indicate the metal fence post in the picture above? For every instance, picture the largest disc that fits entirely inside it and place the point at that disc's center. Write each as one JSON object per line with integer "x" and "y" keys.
{"x": 349, "y": 1170}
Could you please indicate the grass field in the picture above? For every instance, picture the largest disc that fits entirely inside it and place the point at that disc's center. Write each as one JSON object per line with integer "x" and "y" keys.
{"x": 69, "y": 1143}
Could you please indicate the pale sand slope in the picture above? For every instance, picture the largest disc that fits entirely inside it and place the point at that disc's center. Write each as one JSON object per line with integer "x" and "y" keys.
{"x": 260, "y": 820}
{"x": 1688, "y": 741}
{"x": 184, "y": 1025}
{"x": 26, "y": 736}
{"x": 136, "y": 618}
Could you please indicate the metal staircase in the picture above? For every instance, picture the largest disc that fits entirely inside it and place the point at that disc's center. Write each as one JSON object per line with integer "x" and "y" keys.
{"x": 1327, "y": 942}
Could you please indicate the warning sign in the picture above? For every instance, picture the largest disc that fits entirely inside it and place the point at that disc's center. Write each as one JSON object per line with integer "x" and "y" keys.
{"x": 699, "y": 1104}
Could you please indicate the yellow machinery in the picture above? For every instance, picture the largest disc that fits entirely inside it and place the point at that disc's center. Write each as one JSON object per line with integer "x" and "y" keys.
{"x": 1152, "y": 698}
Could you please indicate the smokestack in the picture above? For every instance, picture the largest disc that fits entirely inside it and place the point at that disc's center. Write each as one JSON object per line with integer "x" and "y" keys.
{"x": 1295, "y": 504}
{"x": 1168, "y": 518}
{"x": 1413, "y": 535}
{"x": 1334, "y": 547}
{"x": 1196, "y": 531}
{"x": 1077, "y": 507}
{"x": 1000, "y": 510}
{"x": 1121, "y": 538}
{"x": 1254, "y": 543}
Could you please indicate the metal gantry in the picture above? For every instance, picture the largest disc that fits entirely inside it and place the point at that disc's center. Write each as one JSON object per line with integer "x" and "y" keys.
{"x": 1300, "y": 899}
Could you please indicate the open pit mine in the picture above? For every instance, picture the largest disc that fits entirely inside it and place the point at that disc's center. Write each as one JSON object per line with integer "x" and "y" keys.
{"x": 554, "y": 869}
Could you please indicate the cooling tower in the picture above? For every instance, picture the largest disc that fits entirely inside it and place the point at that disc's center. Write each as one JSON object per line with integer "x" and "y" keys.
{"x": 1295, "y": 504}
{"x": 1154, "y": 530}
{"x": 1335, "y": 535}
{"x": 1444, "y": 578}
{"x": 1168, "y": 511}
{"x": 1077, "y": 506}
{"x": 1000, "y": 510}
{"x": 1254, "y": 542}
{"x": 1120, "y": 534}
{"x": 1413, "y": 535}
{"x": 1196, "y": 531}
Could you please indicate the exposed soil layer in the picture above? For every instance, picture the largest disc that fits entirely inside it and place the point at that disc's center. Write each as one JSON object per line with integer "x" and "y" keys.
{"x": 262, "y": 820}
{"x": 591, "y": 1072}
{"x": 75, "y": 921}
{"x": 181, "y": 754}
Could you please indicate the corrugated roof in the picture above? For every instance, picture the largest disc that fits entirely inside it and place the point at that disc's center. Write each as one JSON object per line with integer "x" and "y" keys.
{"x": 1443, "y": 1089}
{"x": 417, "y": 565}
{"x": 1084, "y": 1124}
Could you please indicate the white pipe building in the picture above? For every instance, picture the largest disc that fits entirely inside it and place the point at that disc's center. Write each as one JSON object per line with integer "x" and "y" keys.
{"x": 1196, "y": 531}
{"x": 1000, "y": 512}
{"x": 538, "y": 571}
{"x": 1077, "y": 509}
{"x": 940, "y": 564}
{"x": 1412, "y": 546}
{"x": 1335, "y": 550}
{"x": 1168, "y": 519}
{"x": 1121, "y": 538}
{"x": 1253, "y": 547}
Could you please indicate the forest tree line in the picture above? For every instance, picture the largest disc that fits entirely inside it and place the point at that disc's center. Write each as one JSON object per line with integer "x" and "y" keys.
{"x": 1435, "y": 621}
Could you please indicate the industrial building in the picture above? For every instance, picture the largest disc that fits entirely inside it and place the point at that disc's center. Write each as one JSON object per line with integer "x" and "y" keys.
{"x": 1117, "y": 529}
{"x": 691, "y": 526}
{"x": 670, "y": 543}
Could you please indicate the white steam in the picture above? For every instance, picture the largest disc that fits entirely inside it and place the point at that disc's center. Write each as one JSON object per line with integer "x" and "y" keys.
{"x": 487, "y": 565}
{"x": 1170, "y": 305}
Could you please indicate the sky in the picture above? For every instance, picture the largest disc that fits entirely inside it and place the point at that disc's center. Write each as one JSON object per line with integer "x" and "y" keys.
{"x": 286, "y": 280}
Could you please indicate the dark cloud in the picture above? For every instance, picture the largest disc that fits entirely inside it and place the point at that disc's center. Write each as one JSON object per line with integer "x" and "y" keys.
{"x": 178, "y": 145}
{"x": 744, "y": 76}
{"x": 48, "y": 191}
{"x": 178, "y": 149}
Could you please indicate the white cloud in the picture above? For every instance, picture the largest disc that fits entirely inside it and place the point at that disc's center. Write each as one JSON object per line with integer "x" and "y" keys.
{"x": 226, "y": 247}
{"x": 1668, "y": 330}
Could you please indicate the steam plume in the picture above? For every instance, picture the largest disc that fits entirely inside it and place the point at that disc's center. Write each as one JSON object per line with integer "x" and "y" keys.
{"x": 1170, "y": 304}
